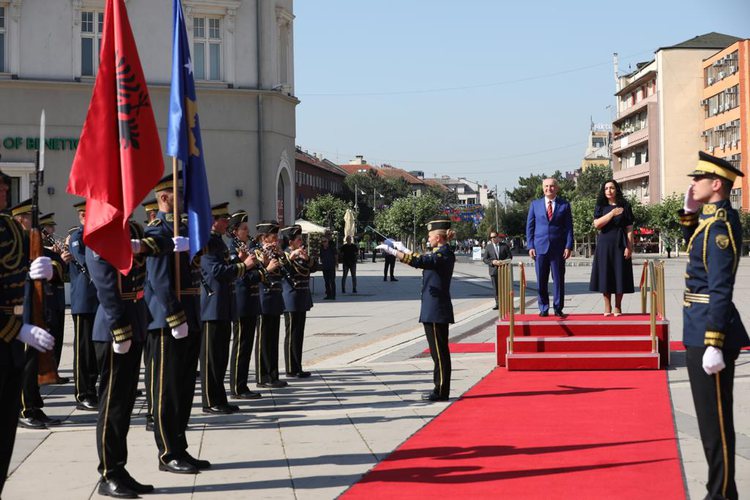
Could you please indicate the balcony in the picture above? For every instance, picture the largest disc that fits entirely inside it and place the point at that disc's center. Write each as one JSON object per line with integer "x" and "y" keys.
{"x": 630, "y": 140}
{"x": 632, "y": 173}
{"x": 635, "y": 108}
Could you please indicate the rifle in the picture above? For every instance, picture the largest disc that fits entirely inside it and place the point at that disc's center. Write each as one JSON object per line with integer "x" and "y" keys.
{"x": 47, "y": 364}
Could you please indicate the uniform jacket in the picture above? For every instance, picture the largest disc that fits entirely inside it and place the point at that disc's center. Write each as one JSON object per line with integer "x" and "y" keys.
{"x": 709, "y": 316}
{"x": 166, "y": 310}
{"x": 246, "y": 289}
{"x": 82, "y": 290}
{"x": 271, "y": 298}
{"x": 220, "y": 274}
{"x": 490, "y": 254}
{"x": 55, "y": 288}
{"x": 437, "y": 272}
{"x": 14, "y": 266}
{"x": 549, "y": 236}
{"x": 296, "y": 292}
{"x": 122, "y": 312}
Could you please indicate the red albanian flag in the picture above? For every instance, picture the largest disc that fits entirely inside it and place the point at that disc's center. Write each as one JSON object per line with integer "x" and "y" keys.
{"x": 119, "y": 158}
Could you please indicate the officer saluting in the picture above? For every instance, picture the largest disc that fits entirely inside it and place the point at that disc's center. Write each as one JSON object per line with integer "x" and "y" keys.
{"x": 83, "y": 305}
{"x": 713, "y": 332}
{"x": 437, "y": 310}
{"x": 174, "y": 335}
{"x": 14, "y": 327}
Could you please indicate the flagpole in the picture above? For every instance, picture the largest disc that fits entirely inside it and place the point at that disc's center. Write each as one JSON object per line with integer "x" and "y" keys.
{"x": 176, "y": 225}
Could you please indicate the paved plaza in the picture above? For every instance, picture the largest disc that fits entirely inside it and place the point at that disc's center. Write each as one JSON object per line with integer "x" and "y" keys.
{"x": 317, "y": 437}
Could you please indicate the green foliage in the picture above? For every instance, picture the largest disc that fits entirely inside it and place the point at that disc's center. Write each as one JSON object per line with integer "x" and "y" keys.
{"x": 464, "y": 230}
{"x": 663, "y": 217}
{"x": 512, "y": 220}
{"x": 327, "y": 210}
{"x": 641, "y": 213}
{"x": 590, "y": 181}
{"x": 407, "y": 216}
{"x": 530, "y": 188}
{"x": 446, "y": 196}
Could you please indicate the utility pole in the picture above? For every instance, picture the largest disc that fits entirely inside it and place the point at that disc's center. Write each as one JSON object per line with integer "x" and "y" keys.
{"x": 497, "y": 220}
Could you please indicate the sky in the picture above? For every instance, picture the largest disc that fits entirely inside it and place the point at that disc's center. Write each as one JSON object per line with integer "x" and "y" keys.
{"x": 489, "y": 90}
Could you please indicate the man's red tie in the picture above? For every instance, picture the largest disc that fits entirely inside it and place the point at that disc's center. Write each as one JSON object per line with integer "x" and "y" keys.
{"x": 549, "y": 210}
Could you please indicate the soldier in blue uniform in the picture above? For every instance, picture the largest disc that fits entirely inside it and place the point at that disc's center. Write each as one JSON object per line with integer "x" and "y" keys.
{"x": 271, "y": 307}
{"x": 297, "y": 299}
{"x": 15, "y": 330}
{"x": 437, "y": 310}
{"x": 32, "y": 416}
{"x": 713, "y": 332}
{"x": 174, "y": 334}
{"x": 151, "y": 207}
{"x": 119, "y": 332}
{"x": 247, "y": 309}
{"x": 83, "y": 305}
{"x": 217, "y": 312}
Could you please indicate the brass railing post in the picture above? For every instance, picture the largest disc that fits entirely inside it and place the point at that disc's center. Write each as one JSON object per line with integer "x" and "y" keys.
{"x": 522, "y": 289}
{"x": 644, "y": 288}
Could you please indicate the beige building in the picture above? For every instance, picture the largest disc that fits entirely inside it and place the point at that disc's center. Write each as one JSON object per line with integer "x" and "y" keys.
{"x": 242, "y": 53}
{"x": 598, "y": 146}
{"x": 657, "y": 132}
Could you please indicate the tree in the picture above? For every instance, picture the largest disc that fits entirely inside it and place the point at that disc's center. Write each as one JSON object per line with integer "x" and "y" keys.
{"x": 583, "y": 223}
{"x": 327, "y": 210}
{"x": 446, "y": 196}
{"x": 664, "y": 218}
{"x": 590, "y": 181}
{"x": 530, "y": 188}
{"x": 512, "y": 220}
{"x": 406, "y": 218}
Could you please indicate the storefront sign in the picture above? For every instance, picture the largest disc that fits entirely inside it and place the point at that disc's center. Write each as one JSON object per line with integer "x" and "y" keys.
{"x": 32, "y": 143}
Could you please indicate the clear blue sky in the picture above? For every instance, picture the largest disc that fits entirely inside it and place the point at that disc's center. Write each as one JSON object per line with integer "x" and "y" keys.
{"x": 489, "y": 90}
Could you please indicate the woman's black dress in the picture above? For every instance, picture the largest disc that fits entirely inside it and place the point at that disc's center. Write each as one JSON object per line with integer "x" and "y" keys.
{"x": 611, "y": 272}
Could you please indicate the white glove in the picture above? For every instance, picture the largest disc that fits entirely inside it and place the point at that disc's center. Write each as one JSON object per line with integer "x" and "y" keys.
{"x": 400, "y": 247}
{"x": 36, "y": 337}
{"x": 41, "y": 269}
{"x": 713, "y": 360}
{"x": 135, "y": 245}
{"x": 387, "y": 249}
{"x": 121, "y": 347}
{"x": 691, "y": 205}
{"x": 181, "y": 244}
{"x": 180, "y": 331}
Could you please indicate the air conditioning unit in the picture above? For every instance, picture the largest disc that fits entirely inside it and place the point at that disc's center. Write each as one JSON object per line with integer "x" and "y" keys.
{"x": 710, "y": 81}
{"x": 713, "y": 111}
{"x": 732, "y": 70}
{"x": 721, "y": 75}
{"x": 721, "y": 108}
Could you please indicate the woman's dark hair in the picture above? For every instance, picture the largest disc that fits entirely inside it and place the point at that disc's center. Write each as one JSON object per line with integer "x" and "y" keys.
{"x": 601, "y": 199}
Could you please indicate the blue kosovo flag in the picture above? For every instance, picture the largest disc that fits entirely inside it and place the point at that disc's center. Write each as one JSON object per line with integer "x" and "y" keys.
{"x": 184, "y": 137}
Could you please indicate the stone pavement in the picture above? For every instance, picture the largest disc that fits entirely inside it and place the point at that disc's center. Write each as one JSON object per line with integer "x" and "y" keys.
{"x": 315, "y": 438}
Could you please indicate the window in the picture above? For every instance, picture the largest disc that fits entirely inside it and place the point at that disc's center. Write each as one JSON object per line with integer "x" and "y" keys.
{"x": 2, "y": 39}
{"x": 207, "y": 48}
{"x": 92, "y": 24}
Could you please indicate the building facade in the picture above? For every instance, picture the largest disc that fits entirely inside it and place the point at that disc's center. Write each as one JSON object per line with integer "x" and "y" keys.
{"x": 598, "y": 146}
{"x": 726, "y": 108}
{"x": 468, "y": 192}
{"x": 242, "y": 53}
{"x": 315, "y": 176}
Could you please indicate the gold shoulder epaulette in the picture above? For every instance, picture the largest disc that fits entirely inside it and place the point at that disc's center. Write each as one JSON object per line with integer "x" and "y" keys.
{"x": 721, "y": 214}
{"x": 154, "y": 223}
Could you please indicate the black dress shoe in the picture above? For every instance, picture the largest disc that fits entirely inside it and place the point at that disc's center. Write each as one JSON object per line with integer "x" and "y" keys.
{"x": 149, "y": 424}
{"x": 385, "y": 278}
{"x": 247, "y": 395}
{"x": 544, "y": 314}
{"x": 393, "y": 279}
{"x": 560, "y": 314}
{"x": 221, "y": 409}
{"x": 494, "y": 308}
{"x": 301, "y": 374}
{"x": 134, "y": 485}
{"x": 138, "y": 393}
{"x": 178, "y": 466}
{"x": 41, "y": 416}
{"x": 87, "y": 405}
{"x": 431, "y": 396}
{"x": 62, "y": 380}
{"x": 276, "y": 384}
{"x": 196, "y": 462}
{"x": 116, "y": 488}
{"x": 31, "y": 423}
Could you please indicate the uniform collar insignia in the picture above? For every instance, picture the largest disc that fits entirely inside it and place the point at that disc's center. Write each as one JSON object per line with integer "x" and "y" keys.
{"x": 709, "y": 209}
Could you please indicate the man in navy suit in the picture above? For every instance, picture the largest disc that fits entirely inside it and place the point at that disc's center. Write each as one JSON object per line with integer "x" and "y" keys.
{"x": 549, "y": 233}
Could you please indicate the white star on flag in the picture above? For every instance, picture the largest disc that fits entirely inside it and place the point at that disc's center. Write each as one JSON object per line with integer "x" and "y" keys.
{"x": 189, "y": 66}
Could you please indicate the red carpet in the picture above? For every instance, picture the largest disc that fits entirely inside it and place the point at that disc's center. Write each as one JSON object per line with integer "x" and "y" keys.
{"x": 541, "y": 435}
{"x": 468, "y": 347}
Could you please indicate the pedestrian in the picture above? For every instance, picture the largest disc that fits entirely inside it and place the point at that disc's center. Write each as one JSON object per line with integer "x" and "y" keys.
{"x": 348, "y": 253}
{"x": 54, "y": 305}
{"x": 549, "y": 231}
{"x": 495, "y": 253}
{"x": 17, "y": 332}
{"x": 362, "y": 247}
{"x": 389, "y": 266}
{"x": 297, "y": 299}
{"x": 612, "y": 267}
{"x": 436, "y": 311}
{"x": 373, "y": 247}
{"x": 713, "y": 332}
{"x": 329, "y": 262}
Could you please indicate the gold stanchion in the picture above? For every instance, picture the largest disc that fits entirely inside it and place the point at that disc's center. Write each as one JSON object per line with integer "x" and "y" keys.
{"x": 644, "y": 288}
{"x": 522, "y": 289}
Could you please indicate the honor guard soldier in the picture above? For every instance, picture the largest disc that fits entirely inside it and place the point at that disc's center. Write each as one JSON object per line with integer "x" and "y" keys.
{"x": 271, "y": 307}
{"x": 32, "y": 415}
{"x": 83, "y": 305}
{"x": 247, "y": 308}
{"x": 56, "y": 249}
{"x": 713, "y": 332}
{"x": 297, "y": 299}
{"x": 437, "y": 310}
{"x": 150, "y": 207}
{"x": 217, "y": 303}
{"x": 174, "y": 334}
{"x": 15, "y": 330}
{"x": 119, "y": 332}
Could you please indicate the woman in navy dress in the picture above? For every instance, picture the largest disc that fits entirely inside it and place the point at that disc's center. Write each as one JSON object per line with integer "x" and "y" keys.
{"x": 612, "y": 270}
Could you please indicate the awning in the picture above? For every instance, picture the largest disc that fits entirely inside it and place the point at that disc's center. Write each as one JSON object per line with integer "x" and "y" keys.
{"x": 310, "y": 227}
{"x": 643, "y": 231}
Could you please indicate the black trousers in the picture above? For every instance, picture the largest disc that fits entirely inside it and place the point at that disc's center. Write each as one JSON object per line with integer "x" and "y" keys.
{"x": 437, "y": 338}
{"x": 31, "y": 399}
{"x": 242, "y": 350}
{"x": 294, "y": 323}
{"x": 347, "y": 268}
{"x": 173, "y": 387}
{"x": 214, "y": 360}
{"x": 57, "y": 330}
{"x": 712, "y": 396}
{"x": 267, "y": 349}
{"x": 493, "y": 277}
{"x": 117, "y": 386}
{"x": 329, "y": 276}
{"x": 10, "y": 405}
{"x": 389, "y": 265}
{"x": 148, "y": 374}
{"x": 85, "y": 371}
